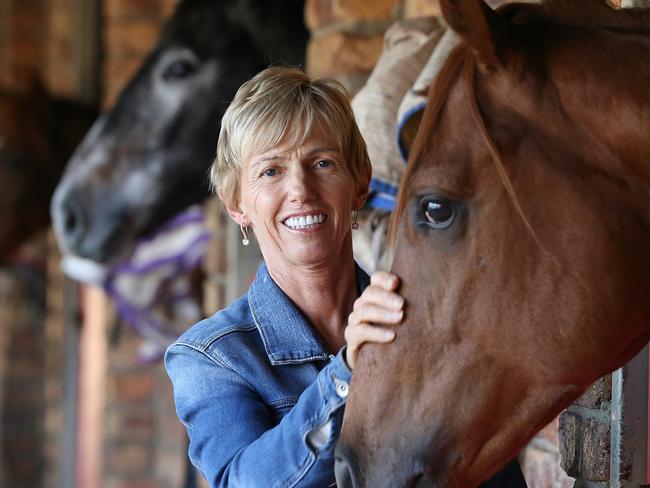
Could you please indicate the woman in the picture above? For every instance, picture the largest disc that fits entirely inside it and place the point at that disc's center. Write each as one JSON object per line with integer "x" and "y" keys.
{"x": 261, "y": 385}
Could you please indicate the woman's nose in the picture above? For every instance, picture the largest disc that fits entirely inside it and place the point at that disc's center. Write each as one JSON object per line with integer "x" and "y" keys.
{"x": 301, "y": 188}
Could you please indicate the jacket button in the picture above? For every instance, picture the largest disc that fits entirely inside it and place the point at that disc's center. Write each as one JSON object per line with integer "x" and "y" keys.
{"x": 341, "y": 388}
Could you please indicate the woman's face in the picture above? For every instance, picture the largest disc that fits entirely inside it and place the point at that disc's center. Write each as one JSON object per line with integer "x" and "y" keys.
{"x": 299, "y": 201}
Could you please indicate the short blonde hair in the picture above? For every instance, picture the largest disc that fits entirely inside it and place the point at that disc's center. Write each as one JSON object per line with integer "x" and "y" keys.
{"x": 282, "y": 105}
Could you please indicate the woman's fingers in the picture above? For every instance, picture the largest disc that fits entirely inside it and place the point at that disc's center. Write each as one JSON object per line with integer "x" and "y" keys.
{"x": 385, "y": 280}
{"x": 379, "y": 297}
{"x": 378, "y": 304}
{"x": 359, "y": 334}
{"x": 368, "y": 312}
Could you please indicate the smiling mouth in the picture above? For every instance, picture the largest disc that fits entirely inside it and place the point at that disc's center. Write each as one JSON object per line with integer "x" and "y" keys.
{"x": 305, "y": 221}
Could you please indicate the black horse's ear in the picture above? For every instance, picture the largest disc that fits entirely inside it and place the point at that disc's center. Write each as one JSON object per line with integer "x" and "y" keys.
{"x": 479, "y": 25}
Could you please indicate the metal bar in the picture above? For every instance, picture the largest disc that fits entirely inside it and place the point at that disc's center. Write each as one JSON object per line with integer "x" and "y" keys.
{"x": 629, "y": 427}
{"x": 616, "y": 412}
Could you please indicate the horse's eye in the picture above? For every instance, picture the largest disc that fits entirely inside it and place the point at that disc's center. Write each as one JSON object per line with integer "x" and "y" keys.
{"x": 179, "y": 69}
{"x": 437, "y": 213}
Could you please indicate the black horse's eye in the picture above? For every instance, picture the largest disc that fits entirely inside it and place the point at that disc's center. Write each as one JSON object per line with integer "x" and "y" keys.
{"x": 179, "y": 69}
{"x": 437, "y": 213}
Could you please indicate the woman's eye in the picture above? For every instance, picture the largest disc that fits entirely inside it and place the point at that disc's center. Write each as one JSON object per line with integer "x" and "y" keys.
{"x": 324, "y": 163}
{"x": 270, "y": 172}
{"x": 437, "y": 213}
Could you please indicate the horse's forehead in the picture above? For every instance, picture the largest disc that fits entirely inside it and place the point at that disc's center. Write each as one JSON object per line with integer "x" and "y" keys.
{"x": 455, "y": 150}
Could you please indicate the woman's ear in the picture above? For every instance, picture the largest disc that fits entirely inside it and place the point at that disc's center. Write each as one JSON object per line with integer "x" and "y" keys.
{"x": 234, "y": 211}
{"x": 363, "y": 188}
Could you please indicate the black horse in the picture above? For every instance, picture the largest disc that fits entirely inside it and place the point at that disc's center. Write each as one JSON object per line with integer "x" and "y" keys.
{"x": 147, "y": 158}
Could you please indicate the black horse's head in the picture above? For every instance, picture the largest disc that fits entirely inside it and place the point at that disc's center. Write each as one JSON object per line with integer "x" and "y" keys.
{"x": 147, "y": 158}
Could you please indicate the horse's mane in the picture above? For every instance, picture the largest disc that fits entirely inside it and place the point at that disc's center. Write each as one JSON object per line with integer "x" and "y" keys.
{"x": 462, "y": 63}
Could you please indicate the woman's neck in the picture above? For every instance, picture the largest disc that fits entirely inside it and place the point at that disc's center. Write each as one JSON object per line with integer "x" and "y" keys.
{"x": 324, "y": 293}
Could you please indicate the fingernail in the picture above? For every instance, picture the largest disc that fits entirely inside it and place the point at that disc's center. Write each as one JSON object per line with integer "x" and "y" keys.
{"x": 396, "y": 315}
{"x": 389, "y": 334}
{"x": 398, "y": 302}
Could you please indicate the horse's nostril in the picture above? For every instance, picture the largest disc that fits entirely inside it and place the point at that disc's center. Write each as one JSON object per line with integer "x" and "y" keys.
{"x": 343, "y": 474}
{"x": 71, "y": 219}
{"x": 70, "y": 222}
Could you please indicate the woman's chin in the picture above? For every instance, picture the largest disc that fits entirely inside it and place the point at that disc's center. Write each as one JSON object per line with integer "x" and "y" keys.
{"x": 311, "y": 256}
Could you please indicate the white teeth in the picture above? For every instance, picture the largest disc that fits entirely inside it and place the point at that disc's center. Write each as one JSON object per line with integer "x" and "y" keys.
{"x": 304, "y": 222}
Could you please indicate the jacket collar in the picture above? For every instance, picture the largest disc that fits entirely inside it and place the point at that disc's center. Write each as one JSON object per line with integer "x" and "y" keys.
{"x": 287, "y": 335}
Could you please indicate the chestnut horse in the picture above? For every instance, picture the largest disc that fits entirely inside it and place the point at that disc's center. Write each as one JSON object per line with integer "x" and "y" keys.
{"x": 146, "y": 159}
{"x": 38, "y": 133}
{"x": 522, "y": 238}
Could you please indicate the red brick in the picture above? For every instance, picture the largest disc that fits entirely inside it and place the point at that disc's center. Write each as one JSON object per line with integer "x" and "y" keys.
{"x": 123, "y": 356}
{"x": 131, "y": 37}
{"x": 343, "y": 54}
{"x": 168, "y": 7}
{"x": 595, "y": 450}
{"x": 130, "y": 424}
{"x": 27, "y": 25}
{"x": 25, "y": 53}
{"x": 134, "y": 484}
{"x": 216, "y": 259}
{"x": 569, "y": 429}
{"x": 320, "y": 13}
{"x": 421, "y": 8}
{"x": 133, "y": 387}
{"x": 129, "y": 460}
{"x": 598, "y": 394}
{"x": 133, "y": 9}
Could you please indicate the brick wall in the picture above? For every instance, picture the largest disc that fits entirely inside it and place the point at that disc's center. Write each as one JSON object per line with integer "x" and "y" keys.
{"x": 30, "y": 348}
{"x": 24, "y": 39}
{"x": 585, "y": 441}
{"x": 347, "y": 35}
{"x": 22, "y": 384}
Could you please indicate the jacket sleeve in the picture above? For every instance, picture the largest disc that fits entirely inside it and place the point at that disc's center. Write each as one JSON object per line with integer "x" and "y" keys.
{"x": 234, "y": 439}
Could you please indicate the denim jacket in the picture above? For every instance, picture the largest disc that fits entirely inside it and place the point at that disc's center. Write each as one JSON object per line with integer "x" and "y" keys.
{"x": 261, "y": 398}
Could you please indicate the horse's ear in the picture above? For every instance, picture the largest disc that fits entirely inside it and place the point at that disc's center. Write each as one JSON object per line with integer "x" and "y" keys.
{"x": 479, "y": 25}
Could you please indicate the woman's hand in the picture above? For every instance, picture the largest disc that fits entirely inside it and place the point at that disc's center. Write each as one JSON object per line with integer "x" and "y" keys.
{"x": 378, "y": 304}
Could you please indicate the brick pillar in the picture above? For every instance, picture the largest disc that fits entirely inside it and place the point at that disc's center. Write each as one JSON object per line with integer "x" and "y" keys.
{"x": 144, "y": 441}
{"x": 26, "y": 38}
{"x": 54, "y": 366}
{"x": 585, "y": 435}
{"x": 22, "y": 412}
{"x": 216, "y": 261}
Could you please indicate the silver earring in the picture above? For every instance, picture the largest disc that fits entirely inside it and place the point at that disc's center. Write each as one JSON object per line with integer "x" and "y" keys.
{"x": 244, "y": 233}
{"x": 355, "y": 224}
